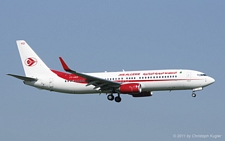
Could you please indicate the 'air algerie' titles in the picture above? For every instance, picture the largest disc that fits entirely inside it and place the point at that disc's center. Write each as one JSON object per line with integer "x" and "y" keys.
{"x": 129, "y": 74}
{"x": 147, "y": 73}
{"x": 159, "y": 73}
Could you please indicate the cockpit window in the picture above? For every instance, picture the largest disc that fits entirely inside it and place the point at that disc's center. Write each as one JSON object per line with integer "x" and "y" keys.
{"x": 201, "y": 74}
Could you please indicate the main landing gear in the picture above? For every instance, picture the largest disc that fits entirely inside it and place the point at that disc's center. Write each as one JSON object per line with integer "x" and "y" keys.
{"x": 111, "y": 98}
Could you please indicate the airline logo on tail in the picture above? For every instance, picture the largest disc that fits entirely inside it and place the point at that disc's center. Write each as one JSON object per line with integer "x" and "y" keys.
{"x": 22, "y": 43}
{"x": 31, "y": 61}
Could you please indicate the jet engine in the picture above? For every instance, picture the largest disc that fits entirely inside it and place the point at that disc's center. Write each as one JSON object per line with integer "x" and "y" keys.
{"x": 130, "y": 88}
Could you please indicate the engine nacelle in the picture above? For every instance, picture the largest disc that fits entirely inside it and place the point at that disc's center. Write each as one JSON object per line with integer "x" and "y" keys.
{"x": 130, "y": 88}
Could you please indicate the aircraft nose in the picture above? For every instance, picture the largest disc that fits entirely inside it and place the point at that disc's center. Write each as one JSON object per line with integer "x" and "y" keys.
{"x": 211, "y": 80}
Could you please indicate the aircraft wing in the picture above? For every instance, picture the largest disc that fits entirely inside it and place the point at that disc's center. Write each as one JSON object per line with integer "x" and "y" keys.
{"x": 104, "y": 85}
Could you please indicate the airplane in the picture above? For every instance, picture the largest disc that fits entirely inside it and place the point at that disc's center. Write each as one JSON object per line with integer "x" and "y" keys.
{"x": 135, "y": 83}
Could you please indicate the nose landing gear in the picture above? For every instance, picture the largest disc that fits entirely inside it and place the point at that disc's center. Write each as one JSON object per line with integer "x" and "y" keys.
{"x": 196, "y": 89}
{"x": 193, "y": 95}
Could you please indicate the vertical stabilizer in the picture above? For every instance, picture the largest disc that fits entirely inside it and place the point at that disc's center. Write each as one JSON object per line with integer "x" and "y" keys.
{"x": 32, "y": 64}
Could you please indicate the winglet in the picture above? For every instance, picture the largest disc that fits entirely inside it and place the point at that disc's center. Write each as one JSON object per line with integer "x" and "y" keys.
{"x": 64, "y": 65}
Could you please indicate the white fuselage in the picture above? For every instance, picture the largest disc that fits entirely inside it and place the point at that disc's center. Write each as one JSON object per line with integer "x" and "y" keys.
{"x": 150, "y": 80}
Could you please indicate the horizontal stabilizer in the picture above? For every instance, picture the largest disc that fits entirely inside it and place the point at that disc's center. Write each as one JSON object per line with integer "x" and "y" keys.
{"x": 23, "y": 77}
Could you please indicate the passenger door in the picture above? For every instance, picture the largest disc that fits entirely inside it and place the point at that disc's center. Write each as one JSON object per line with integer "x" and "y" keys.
{"x": 188, "y": 77}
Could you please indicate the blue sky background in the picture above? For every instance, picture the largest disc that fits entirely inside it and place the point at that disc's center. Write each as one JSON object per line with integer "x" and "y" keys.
{"x": 95, "y": 36}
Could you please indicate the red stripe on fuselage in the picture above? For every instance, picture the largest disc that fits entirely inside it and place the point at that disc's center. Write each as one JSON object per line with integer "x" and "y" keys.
{"x": 70, "y": 77}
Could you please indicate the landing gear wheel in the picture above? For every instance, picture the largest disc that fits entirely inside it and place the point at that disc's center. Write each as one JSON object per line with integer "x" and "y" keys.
{"x": 118, "y": 99}
{"x": 110, "y": 97}
{"x": 193, "y": 95}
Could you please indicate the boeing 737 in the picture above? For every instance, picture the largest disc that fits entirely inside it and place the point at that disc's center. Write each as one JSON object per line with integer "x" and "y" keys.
{"x": 135, "y": 83}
